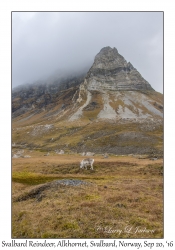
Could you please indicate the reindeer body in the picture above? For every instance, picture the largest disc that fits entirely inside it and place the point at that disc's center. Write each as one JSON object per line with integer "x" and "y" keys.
{"x": 87, "y": 162}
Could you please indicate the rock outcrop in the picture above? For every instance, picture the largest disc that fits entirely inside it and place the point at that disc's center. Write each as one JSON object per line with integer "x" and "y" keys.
{"x": 38, "y": 96}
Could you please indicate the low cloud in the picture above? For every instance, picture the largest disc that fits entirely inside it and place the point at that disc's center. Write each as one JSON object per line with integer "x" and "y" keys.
{"x": 44, "y": 42}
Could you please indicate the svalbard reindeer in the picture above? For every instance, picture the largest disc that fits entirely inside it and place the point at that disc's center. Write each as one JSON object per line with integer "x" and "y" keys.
{"x": 87, "y": 162}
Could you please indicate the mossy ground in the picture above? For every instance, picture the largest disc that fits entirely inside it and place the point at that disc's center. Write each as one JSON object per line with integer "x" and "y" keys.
{"x": 124, "y": 192}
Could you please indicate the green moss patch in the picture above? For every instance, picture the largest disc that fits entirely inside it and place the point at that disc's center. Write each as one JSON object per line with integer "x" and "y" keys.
{"x": 31, "y": 178}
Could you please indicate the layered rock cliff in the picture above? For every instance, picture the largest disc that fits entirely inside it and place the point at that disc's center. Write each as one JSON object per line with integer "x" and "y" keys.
{"x": 110, "y": 71}
{"x": 118, "y": 90}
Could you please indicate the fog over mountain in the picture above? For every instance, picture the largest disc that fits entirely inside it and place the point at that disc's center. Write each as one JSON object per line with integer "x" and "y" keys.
{"x": 47, "y": 43}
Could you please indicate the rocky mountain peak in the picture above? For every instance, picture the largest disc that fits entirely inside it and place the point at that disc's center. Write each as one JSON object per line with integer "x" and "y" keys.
{"x": 111, "y": 71}
{"x": 109, "y": 58}
{"x": 108, "y": 49}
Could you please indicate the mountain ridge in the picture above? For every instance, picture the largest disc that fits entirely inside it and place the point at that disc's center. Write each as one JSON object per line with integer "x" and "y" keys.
{"x": 111, "y": 96}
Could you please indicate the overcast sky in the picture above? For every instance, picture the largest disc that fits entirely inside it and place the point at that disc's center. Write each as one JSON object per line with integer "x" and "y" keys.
{"x": 44, "y": 42}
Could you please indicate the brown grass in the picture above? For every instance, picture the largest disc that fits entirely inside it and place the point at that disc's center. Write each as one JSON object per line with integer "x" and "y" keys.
{"x": 124, "y": 192}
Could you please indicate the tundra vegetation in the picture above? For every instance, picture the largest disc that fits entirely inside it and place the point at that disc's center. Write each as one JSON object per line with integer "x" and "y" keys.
{"x": 120, "y": 192}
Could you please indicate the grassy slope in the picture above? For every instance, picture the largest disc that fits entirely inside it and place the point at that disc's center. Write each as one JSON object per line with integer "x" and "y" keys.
{"x": 94, "y": 136}
{"x": 125, "y": 191}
